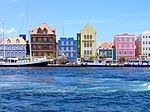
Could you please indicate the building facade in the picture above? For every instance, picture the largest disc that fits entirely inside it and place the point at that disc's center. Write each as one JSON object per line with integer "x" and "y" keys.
{"x": 143, "y": 45}
{"x": 13, "y": 48}
{"x": 86, "y": 43}
{"x": 43, "y": 41}
{"x": 68, "y": 47}
{"x": 105, "y": 49}
{"x": 124, "y": 46}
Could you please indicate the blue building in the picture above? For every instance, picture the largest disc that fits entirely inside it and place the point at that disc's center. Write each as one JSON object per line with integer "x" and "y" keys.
{"x": 68, "y": 47}
{"x": 13, "y": 48}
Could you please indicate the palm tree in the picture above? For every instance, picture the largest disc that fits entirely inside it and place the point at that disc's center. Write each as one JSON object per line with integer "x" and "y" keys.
{"x": 122, "y": 59}
{"x": 92, "y": 58}
{"x": 63, "y": 58}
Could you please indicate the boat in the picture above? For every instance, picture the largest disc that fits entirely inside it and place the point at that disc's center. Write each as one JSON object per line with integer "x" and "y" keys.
{"x": 14, "y": 62}
{"x": 144, "y": 63}
{"x": 103, "y": 63}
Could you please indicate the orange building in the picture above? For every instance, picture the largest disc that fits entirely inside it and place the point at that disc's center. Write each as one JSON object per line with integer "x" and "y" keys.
{"x": 43, "y": 41}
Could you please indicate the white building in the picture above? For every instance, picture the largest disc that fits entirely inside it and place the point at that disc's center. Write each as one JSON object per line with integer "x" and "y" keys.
{"x": 143, "y": 45}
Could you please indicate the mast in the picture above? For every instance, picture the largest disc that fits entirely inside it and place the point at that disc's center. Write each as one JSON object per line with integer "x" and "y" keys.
{"x": 29, "y": 34}
{"x": 3, "y": 43}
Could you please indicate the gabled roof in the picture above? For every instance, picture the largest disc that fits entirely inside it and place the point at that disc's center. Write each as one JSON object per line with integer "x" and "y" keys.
{"x": 42, "y": 26}
{"x": 13, "y": 40}
{"x": 88, "y": 26}
{"x": 107, "y": 44}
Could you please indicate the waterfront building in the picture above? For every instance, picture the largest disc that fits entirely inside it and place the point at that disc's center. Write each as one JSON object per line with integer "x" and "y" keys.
{"x": 43, "y": 41}
{"x": 86, "y": 43}
{"x": 124, "y": 45}
{"x": 105, "y": 50}
{"x": 68, "y": 47}
{"x": 13, "y": 48}
{"x": 143, "y": 45}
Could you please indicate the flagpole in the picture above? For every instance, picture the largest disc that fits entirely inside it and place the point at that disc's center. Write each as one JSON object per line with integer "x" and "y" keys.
{"x": 3, "y": 43}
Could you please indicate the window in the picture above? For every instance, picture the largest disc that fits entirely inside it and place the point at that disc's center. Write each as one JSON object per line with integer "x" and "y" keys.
{"x": 8, "y": 41}
{"x": 90, "y": 52}
{"x": 39, "y": 39}
{"x": 45, "y": 40}
{"x": 71, "y": 48}
{"x": 90, "y": 44}
{"x": 71, "y": 55}
{"x": 84, "y": 44}
{"x": 51, "y": 40}
{"x": 130, "y": 52}
{"x": 119, "y": 45}
{"x": 66, "y": 48}
{"x": 62, "y": 48}
{"x": 146, "y": 48}
{"x": 66, "y": 54}
{"x": 62, "y": 43}
{"x": 90, "y": 37}
{"x": 34, "y": 39}
{"x": 130, "y": 39}
{"x": 67, "y": 43}
{"x": 143, "y": 36}
{"x": 71, "y": 42}
{"x": 143, "y": 42}
{"x": 45, "y": 31}
{"x": 17, "y": 41}
{"x": 119, "y": 39}
{"x": 84, "y": 52}
{"x": 146, "y": 42}
{"x": 125, "y": 52}
{"x": 85, "y": 37}
{"x": 50, "y": 47}
{"x": 119, "y": 52}
{"x": 125, "y": 39}
{"x": 130, "y": 45}
{"x": 87, "y": 44}
{"x": 39, "y": 30}
{"x": 143, "y": 48}
{"x": 125, "y": 45}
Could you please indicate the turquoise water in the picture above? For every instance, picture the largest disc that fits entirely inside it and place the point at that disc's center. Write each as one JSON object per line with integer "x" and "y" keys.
{"x": 74, "y": 89}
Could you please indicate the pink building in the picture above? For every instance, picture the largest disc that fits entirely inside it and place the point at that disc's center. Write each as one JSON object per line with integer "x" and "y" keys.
{"x": 124, "y": 45}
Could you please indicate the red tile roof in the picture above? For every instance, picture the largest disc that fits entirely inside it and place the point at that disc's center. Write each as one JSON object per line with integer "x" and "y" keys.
{"x": 42, "y": 26}
{"x": 107, "y": 44}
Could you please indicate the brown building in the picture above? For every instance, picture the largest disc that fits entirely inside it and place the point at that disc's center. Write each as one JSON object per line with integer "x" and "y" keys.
{"x": 43, "y": 41}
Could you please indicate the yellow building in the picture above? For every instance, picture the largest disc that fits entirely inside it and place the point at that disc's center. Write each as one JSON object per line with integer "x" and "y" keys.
{"x": 86, "y": 43}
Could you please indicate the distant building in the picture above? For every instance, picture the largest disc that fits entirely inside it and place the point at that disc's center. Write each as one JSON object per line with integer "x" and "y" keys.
{"x": 106, "y": 49}
{"x": 23, "y": 36}
{"x": 124, "y": 46}
{"x": 43, "y": 41}
{"x": 68, "y": 47}
{"x": 143, "y": 45}
{"x": 13, "y": 47}
{"x": 86, "y": 43}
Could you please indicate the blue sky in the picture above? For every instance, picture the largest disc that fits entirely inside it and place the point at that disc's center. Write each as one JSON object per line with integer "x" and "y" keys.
{"x": 107, "y": 17}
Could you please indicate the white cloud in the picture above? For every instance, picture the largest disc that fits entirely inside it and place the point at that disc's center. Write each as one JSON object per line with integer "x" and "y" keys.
{"x": 8, "y": 31}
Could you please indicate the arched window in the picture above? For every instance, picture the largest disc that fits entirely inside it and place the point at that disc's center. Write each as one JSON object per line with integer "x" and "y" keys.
{"x": 8, "y": 41}
{"x": 12, "y": 54}
{"x": 16, "y": 54}
{"x": 17, "y": 41}
{"x": 45, "y": 31}
{"x": 39, "y": 30}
